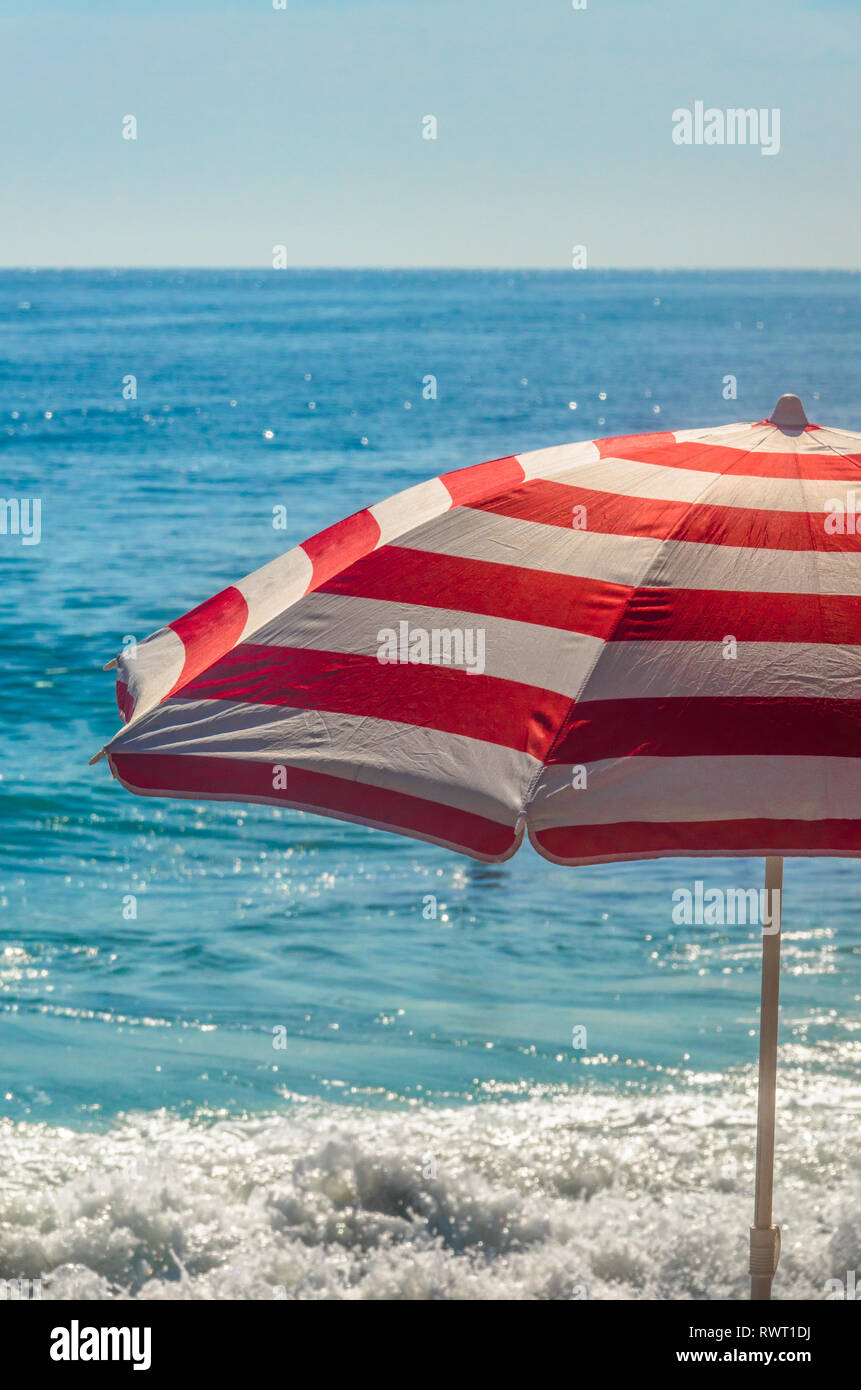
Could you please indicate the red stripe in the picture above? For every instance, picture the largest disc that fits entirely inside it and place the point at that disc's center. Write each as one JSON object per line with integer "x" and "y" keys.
{"x": 347, "y": 541}
{"x": 209, "y": 630}
{"x": 577, "y": 844}
{"x": 125, "y": 701}
{"x": 340, "y": 545}
{"x": 709, "y": 727}
{"x": 709, "y": 615}
{"x": 807, "y": 429}
{"x": 401, "y": 575}
{"x": 446, "y": 698}
{"x": 470, "y": 485}
{"x": 660, "y": 439}
{"x": 609, "y": 514}
{"x": 241, "y": 779}
{"x": 718, "y": 458}
{"x": 595, "y": 607}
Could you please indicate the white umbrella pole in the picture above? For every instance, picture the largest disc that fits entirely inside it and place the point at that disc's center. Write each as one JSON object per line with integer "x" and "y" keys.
{"x": 764, "y": 1236}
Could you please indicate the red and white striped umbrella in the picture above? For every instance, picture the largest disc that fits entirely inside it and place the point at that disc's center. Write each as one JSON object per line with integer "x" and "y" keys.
{"x": 626, "y": 648}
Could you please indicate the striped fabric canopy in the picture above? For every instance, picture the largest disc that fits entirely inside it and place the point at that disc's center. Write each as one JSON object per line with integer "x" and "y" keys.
{"x": 626, "y": 648}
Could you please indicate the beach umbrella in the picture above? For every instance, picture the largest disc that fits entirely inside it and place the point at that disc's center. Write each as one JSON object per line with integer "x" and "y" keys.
{"x": 626, "y": 648}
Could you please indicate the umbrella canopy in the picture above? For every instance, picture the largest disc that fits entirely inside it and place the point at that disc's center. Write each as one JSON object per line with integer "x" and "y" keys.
{"x": 626, "y": 648}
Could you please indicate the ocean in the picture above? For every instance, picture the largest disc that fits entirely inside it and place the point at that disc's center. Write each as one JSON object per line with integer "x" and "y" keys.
{"x": 250, "y": 1053}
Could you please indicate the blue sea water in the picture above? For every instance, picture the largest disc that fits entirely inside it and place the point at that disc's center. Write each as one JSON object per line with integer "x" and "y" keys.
{"x": 428, "y": 1129}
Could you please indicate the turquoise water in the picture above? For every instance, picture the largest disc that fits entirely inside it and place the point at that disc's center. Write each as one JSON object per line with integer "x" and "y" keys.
{"x": 146, "y": 1040}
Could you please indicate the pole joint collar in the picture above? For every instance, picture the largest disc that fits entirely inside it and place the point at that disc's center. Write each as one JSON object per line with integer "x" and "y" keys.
{"x": 764, "y": 1250}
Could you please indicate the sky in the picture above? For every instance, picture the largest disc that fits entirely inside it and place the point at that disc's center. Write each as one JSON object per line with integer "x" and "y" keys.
{"x": 303, "y": 128}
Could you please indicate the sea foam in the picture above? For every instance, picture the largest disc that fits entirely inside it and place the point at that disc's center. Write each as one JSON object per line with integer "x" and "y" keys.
{"x": 568, "y": 1193}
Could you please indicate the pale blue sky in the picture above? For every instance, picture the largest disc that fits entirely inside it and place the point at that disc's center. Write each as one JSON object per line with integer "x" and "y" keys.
{"x": 303, "y": 127}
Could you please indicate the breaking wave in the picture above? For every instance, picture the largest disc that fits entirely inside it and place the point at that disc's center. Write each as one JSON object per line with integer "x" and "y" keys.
{"x": 559, "y": 1193}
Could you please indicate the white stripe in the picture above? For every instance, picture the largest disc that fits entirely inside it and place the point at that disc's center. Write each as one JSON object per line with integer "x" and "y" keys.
{"x": 676, "y": 790}
{"x": 151, "y": 668}
{"x": 769, "y": 439}
{"x": 410, "y": 508}
{"x": 658, "y": 670}
{"x": 663, "y": 483}
{"x": 559, "y": 458}
{"x": 729, "y": 568}
{"x": 636, "y": 560}
{"x": 447, "y": 768}
{"x": 738, "y": 435}
{"x": 530, "y": 545}
{"x": 544, "y": 657}
{"x": 274, "y": 587}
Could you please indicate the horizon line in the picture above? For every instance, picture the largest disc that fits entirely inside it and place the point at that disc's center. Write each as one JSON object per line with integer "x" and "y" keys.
{"x": 460, "y": 269}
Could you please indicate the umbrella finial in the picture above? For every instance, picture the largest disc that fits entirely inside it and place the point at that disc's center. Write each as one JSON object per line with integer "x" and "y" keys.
{"x": 789, "y": 414}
